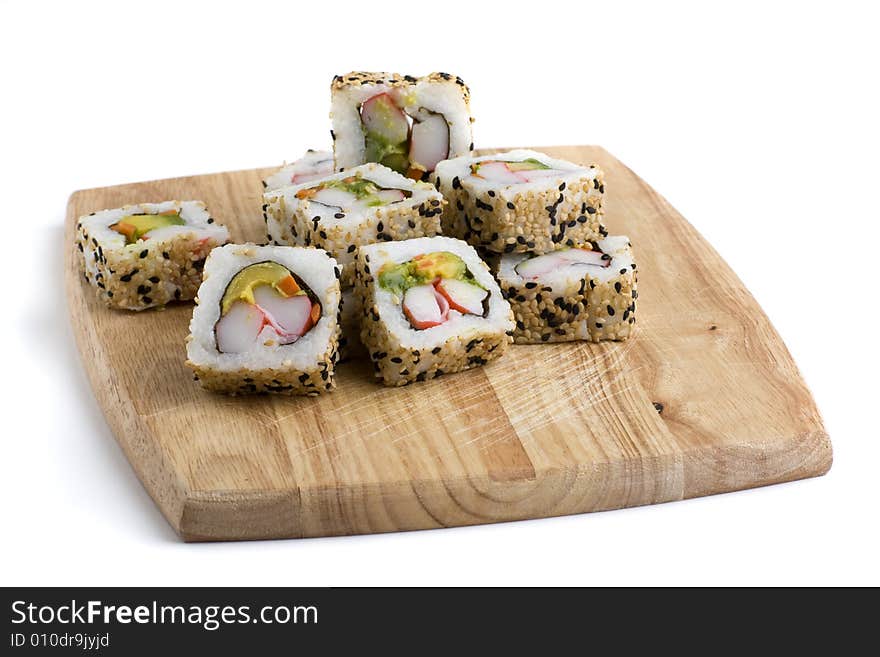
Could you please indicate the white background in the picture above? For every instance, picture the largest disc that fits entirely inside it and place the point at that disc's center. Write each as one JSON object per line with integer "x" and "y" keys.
{"x": 755, "y": 117}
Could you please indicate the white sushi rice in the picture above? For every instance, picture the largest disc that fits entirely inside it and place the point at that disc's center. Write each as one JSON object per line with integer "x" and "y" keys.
{"x": 313, "y": 266}
{"x": 313, "y": 164}
{"x": 436, "y": 93}
{"x": 402, "y": 353}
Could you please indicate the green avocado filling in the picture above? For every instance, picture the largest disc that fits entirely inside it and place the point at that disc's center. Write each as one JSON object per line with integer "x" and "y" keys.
{"x": 529, "y": 164}
{"x": 387, "y": 139}
{"x": 241, "y": 286}
{"x": 135, "y": 226}
{"x": 393, "y": 156}
{"x": 422, "y": 269}
{"x": 357, "y": 185}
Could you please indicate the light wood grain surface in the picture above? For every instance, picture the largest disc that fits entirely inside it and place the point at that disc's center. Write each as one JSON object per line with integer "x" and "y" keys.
{"x": 547, "y": 430}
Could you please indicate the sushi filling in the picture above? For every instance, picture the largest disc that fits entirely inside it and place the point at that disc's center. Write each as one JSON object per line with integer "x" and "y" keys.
{"x": 514, "y": 173}
{"x": 136, "y": 226}
{"x": 353, "y": 193}
{"x": 433, "y": 286}
{"x": 536, "y": 267}
{"x": 409, "y": 144}
{"x": 312, "y": 168}
{"x": 264, "y": 303}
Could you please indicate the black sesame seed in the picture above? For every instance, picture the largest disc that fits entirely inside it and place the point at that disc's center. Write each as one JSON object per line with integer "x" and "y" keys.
{"x": 491, "y": 193}
{"x": 520, "y": 239}
{"x": 610, "y": 310}
{"x": 582, "y": 219}
{"x": 144, "y": 253}
{"x": 456, "y": 183}
{"x": 591, "y": 209}
{"x": 154, "y": 279}
{"x": 520, "y": 326}
{"x": 562, "y": 187}
{"x": 339, "y": 215}
{"x": 351, "y": 248}
{"x": 396, "y": 359}
{"x": 147, "y": 300}
{"x": 623, "y": 271}
{"x": 617, "y": 287}
{"x": 435, "y": 350}
{"x": 545, "y": 337}
{"x": 411, "y": 223}
{"x": 210, "y": 220}
{"x": 380, "y": 227}
{"x": 531, "y": 285}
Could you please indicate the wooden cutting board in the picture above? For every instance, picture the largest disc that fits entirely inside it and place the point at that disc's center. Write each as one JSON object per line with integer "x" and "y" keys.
{"x": 704, "y": 399}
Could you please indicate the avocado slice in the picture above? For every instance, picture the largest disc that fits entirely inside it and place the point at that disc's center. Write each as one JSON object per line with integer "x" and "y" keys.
{"x": 386, "y": 132}
{"x": 241, "y": 286}
{"x": 424, "y": 268}
{"x": 357, "y": 185}
{"x": 440, "y": 264}
{"x": 135, "y": 226}
{"x": 529, "y": 164}
{"x": 393, "y": 156}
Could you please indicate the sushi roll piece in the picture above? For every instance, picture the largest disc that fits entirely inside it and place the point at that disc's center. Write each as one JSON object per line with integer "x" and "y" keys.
{"x": 314, "y": 164}
{"x": 147, "y": 255}
{"x": 343, "y": 211}
{"x": 430, "y": 307}
{"x": 521, "y": 201}
{"x": 266, "y": 320}
{"x": 406, "y": 123}
{"x": 575, "y": 293}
